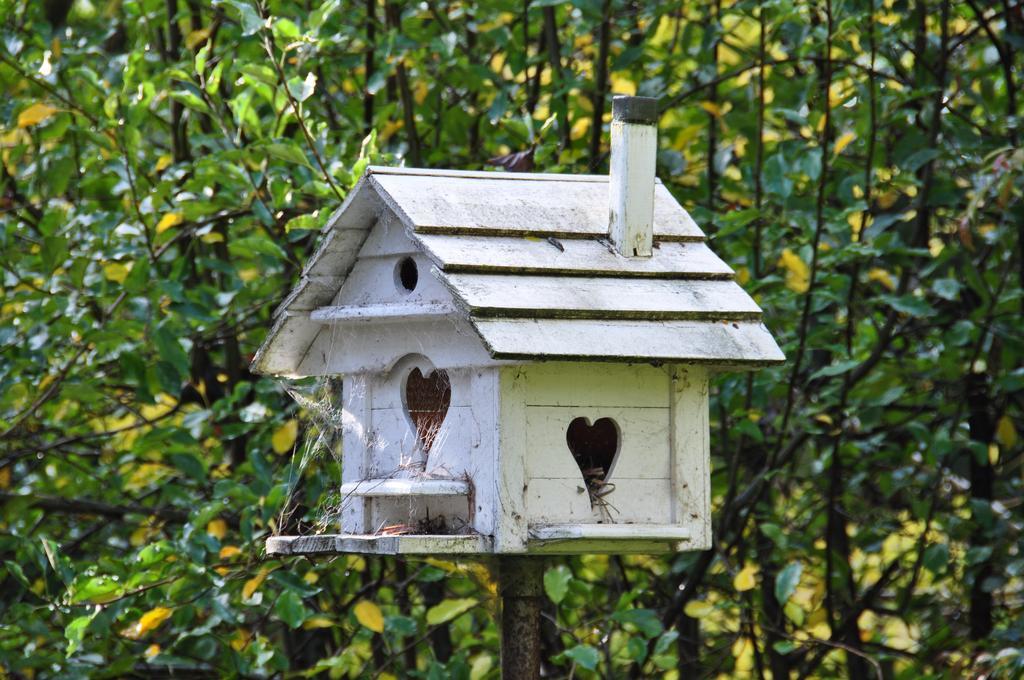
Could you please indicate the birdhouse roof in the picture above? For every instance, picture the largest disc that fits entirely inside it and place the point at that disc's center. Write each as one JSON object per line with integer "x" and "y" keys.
{"x": 527, "y": 261}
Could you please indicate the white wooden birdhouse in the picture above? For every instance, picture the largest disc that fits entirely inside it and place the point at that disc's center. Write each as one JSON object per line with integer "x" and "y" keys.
{"x": 525, "y": 357}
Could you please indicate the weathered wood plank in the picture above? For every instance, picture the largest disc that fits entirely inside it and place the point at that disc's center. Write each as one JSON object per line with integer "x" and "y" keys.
{"x": 643, "y": 441}
{"x": 545, "y": 297}
{"x": 449, "y": 204}
{"x": 510, "y": 478}
{"x": 373, "y": 488}
{"x": 569, "y": 257}
{"x": 347, "y": 348}
{"x": 356, "y": 428}
{"x": 336, "y": 544}
{"x": 609, "y": 532}
{"x": 392, "y": 312}
{"x": 377, "y": 170}
{"x": 734, "y": 344}
{"x": 632, "y": 500}
{"x": 691, "y": 454}
{"x": 570, "y": 383}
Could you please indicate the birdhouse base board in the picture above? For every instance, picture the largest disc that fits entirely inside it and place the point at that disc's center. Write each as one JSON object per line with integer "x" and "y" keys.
{"x": 333, "y": 544}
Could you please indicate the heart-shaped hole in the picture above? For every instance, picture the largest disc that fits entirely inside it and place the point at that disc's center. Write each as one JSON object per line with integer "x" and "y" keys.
{"x": 594, "y": 447}
{"x": 426, "y": 400}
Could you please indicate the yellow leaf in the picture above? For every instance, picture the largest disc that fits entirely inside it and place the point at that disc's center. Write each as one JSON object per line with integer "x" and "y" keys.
{"x": 317, "y": 622}
{"x": 253, "y": 584}
{"x": 311, "y": 577}
{"x": 169, "y": 220}
{"x": 163, "y": 162}
{"x": 151, "y": 651}
{"x": 229, "y": 551}
{"x": 35, "y": 114}
{"x": 284, "y": 437}
{"x": 196, "y": 37}
{"x": 887, "y": 199}
{"x": 883, "y": 277}
{"x": 1006, "y": 434}
{"x": 798, "y": 275}
{"x": 844, "y": 141}
{"x": 421, "y": 91}
{"x": 993, "y": 454}
{"x": 745, "y": 580}
{"x": 217, "y": 528}
{"x": 152, "y": 619}
{"x": 712, "y": 108}
{"x": 212, "y": 237}
{"x": 369, "y": 615}
{"x": 742, "y": 275}
{"x": 696, "y": 609}
{"x": 240, "y": 640}
{"x": 622, "y": 85}
{"x": 743, "y": 655}
{"x": 5, "y": 477}
{"x": 115, "y": 271}
{"x": 480, "y": 666}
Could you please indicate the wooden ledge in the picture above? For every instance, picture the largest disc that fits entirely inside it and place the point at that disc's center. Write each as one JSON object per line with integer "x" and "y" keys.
{"x": 374, "y": 488}
{"x": 394, "y": 312}
{"x": 609, "y": 532}
{"x": 336, "y": 544}
{"x": 571, "y": 539}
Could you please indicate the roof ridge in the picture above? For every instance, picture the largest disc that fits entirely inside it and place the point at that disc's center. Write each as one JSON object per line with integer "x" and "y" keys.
{"x": 489, "y": 174}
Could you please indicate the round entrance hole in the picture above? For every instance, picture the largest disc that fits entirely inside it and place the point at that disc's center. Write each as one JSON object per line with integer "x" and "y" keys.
{"x": 407, "y": 275}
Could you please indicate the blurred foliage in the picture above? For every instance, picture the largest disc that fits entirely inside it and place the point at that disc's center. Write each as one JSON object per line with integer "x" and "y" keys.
{"x": 166, "y": 166}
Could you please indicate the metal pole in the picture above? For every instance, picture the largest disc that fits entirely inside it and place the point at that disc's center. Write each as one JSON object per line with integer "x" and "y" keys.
{"x": 521, "y": 581}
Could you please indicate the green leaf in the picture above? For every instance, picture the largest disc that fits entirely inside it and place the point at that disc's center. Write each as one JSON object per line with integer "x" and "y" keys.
{"x": 584, "y": 656}
{"x": 402, "y": 626}
{"x": 448, "y": 610}
{"x": 98, "y": 590}
{"x": 246, "y": 14}
{"x": 286, "y": 151}
{"x": 947, "y": 289}
{"x": 170, "y": 349}
{"x": 646, "y": 620}
{"x": 74, "y": 632}
{"x": 936, "y": 557}
{"x": 909, "y": 304}
{"x": 290, "y": 610}
{"x": 54, "y": 251}
{"x": 556, "y": 582}
{"x": 285, "y": 30}
{"x": 250, "y": 246}
{"x": 191, "y": 100}
{"x": 14, "y": 569}
{"x": 787, "y": 581}
{"x": 302, "y": 222}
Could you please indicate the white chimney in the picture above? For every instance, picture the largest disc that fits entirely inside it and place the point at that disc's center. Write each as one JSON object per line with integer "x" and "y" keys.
{"x": 631, "y": 180}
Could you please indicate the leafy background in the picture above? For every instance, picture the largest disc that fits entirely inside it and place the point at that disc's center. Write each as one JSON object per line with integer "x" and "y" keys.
{"x": 166, "y": 166}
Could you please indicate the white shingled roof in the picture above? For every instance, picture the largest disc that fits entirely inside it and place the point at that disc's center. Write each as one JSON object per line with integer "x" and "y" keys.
{"x": 526, "y": 258}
